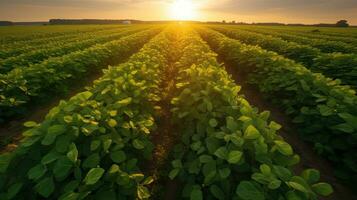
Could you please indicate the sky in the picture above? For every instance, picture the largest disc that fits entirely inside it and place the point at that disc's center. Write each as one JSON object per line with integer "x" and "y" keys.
{"x": 286, "y": 11}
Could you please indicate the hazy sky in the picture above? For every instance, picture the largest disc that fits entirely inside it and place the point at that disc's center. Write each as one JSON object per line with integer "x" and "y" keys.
{"x": 289, "y": 11}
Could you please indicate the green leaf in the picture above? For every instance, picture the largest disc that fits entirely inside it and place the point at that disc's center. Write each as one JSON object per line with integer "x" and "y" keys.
{"x": 177, "y": 164}
{"x": 56, "y": 129}
{"x": 248, "y": 191}
{"x": 232, "y": 125}
{"x": 217, "y": 192}
{"x": 148, "y": 180}
{"x": 70, "y": 196}
{"x": 323, "y": 189}
{"x": 274, "y": 184}
{"x": 251, "y": 133}
{"x": 213, "y": 123}
{"x": 298, "y": 186}
{"x": 311, "y": 175}
{"x": 221, "y": 153}
{"x": 138, "y": 144}
{"x": 118, "y": 156}
{"x": 46, "y": 187}
{"x": 224, "y": 173}
{"x": 94, "y": 145}
{"x": 62, "y": 167}
{"x": 92, "y": 161}
{"x": 62, "y": 143}
{"x": 284, "y": 148}
{"x": 73, "y": 153}
{"x": 36, "y": 172}
{"x": 325, "y": 110}
{"x": 125, "y": 102}
{"x": 143, "y": 192}
{"x": 5, "y": 160}
{"x": 48, "y": 139}
{"x": 346, "y": 128}
{"x": 234, "y": 157}
{"x": 50, "y": 157}
{"x": 205, "y": 158}
{"x": 13, "y": 190}
{"x": 30, "y": 124}
{"x": 93, "y": 176}
{"x": 173, "y": 173}
{"x": 196, "y": 193}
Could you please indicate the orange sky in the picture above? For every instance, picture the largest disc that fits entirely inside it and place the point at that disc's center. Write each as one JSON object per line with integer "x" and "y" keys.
{"x": 288, "y": 11}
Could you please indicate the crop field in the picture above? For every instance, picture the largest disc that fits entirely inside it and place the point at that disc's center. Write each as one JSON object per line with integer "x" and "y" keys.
{"x": 178, "y": 111}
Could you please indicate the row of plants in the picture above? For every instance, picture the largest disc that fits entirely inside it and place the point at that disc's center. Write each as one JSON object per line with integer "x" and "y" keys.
{"x": 316, "y": 34}
{"x": 228, "y": 149}
{"x": 325, "y": 45}
{"x": 41, "y": 54}
{"x": 324, "y": 111}
{"x": 24, "y": 87}
{"x": 334, "y": 65}
{"x": 95, "y": 145}
{"x": 34, "y": 35}
{"x": 18, "y": 48}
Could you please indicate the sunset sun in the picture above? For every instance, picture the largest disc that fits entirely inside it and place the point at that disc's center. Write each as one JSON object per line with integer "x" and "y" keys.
{"x": 182, "y": 10}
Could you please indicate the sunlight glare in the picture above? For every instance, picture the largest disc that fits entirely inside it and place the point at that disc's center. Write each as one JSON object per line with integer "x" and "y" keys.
{"x": 182, "y": 10}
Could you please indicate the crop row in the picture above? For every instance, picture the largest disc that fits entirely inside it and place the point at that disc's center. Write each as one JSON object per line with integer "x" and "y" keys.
{"x": 25, "y": 86}
{"x": 324, "y": 110}
{"x": 34, "y": 35}
{"x": 18, "y": 48}
{"x": 315, "y": 35}
{"x": 326, "y": 46}
{"x": 41, "y": 54}
{"x": 228, "y": 150}
{"x": 94, "y": 145}
{"x": 334, "y": 65}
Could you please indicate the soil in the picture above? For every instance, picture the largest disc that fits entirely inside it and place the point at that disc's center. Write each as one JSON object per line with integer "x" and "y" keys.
{"x": 309, "y": 158}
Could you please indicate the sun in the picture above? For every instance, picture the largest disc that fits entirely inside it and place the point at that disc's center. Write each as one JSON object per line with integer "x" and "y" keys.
{"x": 182, "y": 10}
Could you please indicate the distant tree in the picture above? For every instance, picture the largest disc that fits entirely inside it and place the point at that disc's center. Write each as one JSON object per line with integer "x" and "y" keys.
{"x": 233, "y": 22}
{"x": 6, "y": 23}
{"x": 224, "y": 21}
{"x": 342, "y": 23}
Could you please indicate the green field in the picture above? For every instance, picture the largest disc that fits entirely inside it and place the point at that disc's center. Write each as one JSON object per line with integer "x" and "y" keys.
{"x": 178, "y": 111}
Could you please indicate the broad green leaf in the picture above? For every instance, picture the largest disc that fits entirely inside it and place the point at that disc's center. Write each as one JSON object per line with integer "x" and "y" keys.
{"x": 196, "y": 193}
{"x": 125, "y": 102}
{"x": 311, "y": 175}
{"x": 143, "y": 192}
{"x": 30, "y": 124}
{"x": 213, "y": 122}
{"x": 73, "y": 153}
{"x": 62, "y": 167}
{"x": 118, "y": 156}
{"x": 224, "y": 173}
{"x": 93, "y": 176}
{"x": 92, "y": 161}
{"x": 232, "y": 125}
{"x": 36, "y": 172}
{"x": 221, "y": 153}
{"x": 323, "y": 189}
{"x": 5, "y": 160}
{"x": 177, "y": 164}
{"x": 13, "y": 190}
{"x": 251, "y": 133}
{"x": 56, "y": 129}
{"x": 217, "y": 192}
{"x": 298, "y": 186}
{"x": 46, "y": 187}
{"x": 234, "y": 157}
{"x": 284, "y": 148}
{"x": 248, "y": 191}
{"x": 70, "y": 196}
{"x": 173, "y": 173}
{"x": 50, "y": 157}
{"x": 205, "y": 158}
{"x": 94, "y": 145}
{"x": 138, "y": 144}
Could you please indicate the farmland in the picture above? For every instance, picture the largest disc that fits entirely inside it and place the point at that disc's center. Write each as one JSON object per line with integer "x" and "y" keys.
{"x": 178, "y": 111}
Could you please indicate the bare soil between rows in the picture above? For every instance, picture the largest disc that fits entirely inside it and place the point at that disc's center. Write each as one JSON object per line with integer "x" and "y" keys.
{"x": 309, "y": 158}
